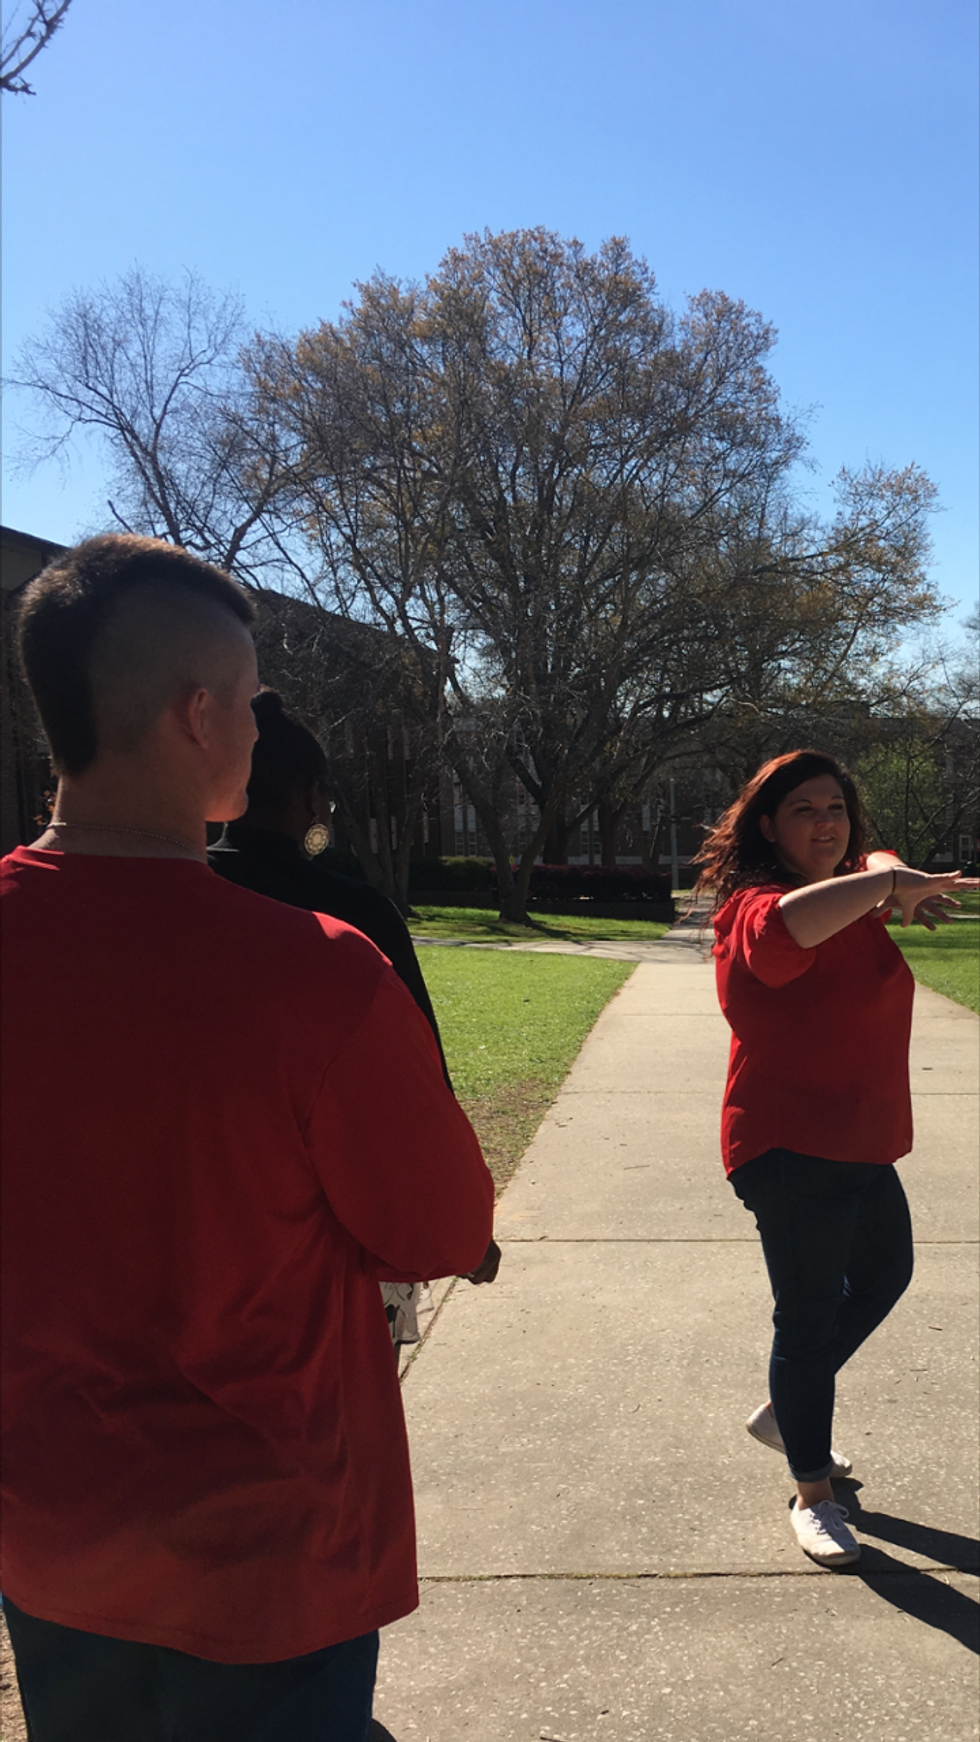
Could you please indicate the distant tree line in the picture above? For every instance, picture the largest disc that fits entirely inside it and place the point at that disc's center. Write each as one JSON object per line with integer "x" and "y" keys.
{"x": 563, "y": 524}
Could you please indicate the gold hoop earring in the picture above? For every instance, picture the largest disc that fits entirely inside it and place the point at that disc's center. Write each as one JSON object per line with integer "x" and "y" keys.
{"x": 316, "y": 839}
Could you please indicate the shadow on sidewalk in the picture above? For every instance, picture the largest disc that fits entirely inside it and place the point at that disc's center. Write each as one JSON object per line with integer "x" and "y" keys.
{"x": 378, "y": 1733}
{"x": 962, "y": 1553}
{"x": 924, "y": 1596}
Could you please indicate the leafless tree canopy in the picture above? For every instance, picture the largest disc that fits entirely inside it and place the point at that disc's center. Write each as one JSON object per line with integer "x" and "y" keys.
{"x": 30, "y": 29}
{"x": 582, "y": 509}
{"x": 152, "y": 368}
{"x": 565, "y": 523}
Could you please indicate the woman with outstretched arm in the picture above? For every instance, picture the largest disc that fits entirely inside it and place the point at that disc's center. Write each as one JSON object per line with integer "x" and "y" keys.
{"x": 817, "y": 1106}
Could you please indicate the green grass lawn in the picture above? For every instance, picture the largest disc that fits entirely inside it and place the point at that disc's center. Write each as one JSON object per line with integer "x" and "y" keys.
{"x": 947, "y": 959}
{"x": 511, "y": 1025}
{"x": 478, "y": 924}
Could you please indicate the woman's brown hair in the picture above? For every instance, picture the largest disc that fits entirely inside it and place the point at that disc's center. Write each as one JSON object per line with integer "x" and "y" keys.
{"x": 736, "y": 854}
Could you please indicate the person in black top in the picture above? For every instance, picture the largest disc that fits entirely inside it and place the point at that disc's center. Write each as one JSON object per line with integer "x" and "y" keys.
{"x": 268, "y": 850}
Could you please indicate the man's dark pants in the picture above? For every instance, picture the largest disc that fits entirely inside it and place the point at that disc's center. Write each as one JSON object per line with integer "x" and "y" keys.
{"x": 83, "y": 1687}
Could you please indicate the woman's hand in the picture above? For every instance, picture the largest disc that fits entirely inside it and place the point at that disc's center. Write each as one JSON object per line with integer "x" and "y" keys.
{"x": 817, "y": 911}
{"x": 919, "y": 896}
{"x": 487, "y": 1270}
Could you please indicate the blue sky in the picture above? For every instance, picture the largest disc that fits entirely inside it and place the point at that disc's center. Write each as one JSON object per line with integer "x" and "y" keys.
{"x": 816, "y": 158}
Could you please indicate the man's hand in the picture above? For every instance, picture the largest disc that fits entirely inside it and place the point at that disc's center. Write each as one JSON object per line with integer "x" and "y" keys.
{"x": 486, "y": 1271}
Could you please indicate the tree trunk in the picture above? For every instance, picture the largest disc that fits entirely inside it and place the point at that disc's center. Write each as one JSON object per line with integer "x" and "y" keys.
{"x": 508, "y": 905}
{"x": 485, "y": 795}
{"x": 361, "y": 843}
{"x": 512, "y": 886}
{"x": 357, "y": 807}
{"x": 414, "y": 799}
{"x": 609, "y": 821}
{"x": 402, "y": 863}
{"x": 385, "y": 856}
{"x": 555, "y": 849}
{"x": 522, "y": 876}
{"x": 651, "y": 838}
{"x": 658, "y": 838}
{"x": 522, "y": 885}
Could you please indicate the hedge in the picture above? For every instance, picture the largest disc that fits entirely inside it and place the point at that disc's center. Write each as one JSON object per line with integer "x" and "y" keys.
{"x": 598, "y": 883}
{"x": 435, "y": 874}
{"x": 548, "y": 882}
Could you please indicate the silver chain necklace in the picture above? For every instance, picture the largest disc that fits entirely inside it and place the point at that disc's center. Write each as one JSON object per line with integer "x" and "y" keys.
{"x": 144, "y": 834}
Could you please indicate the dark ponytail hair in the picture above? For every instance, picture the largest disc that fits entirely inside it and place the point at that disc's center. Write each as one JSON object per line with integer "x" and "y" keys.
{"x": 736, "y": 854}
{"x": 287, "y": 757}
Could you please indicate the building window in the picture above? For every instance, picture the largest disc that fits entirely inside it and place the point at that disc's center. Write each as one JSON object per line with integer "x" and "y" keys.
{"x": 588, "y": 836}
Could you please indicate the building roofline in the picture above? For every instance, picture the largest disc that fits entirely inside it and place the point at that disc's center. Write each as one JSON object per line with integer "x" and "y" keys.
{"x": 32, "y": 538}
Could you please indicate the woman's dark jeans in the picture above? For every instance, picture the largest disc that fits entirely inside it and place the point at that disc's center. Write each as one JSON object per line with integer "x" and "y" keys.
{"x": 84, "y": 1687}
{"x": 837, "y": 1240}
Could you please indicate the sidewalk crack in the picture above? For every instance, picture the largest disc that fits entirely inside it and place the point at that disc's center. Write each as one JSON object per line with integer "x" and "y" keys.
{"x": 901, "y": 1572}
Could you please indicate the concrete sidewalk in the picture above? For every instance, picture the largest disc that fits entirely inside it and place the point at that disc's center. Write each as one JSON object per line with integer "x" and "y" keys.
{"x": 605, "y": 1552}
{"x": 689, "y": 929}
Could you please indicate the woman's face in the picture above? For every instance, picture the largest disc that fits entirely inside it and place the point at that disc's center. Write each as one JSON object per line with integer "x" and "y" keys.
{"x": 811, "y": 828}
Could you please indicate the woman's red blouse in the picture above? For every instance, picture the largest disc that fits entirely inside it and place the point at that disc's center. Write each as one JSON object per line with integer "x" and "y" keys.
{"x": 820, "y": 1037}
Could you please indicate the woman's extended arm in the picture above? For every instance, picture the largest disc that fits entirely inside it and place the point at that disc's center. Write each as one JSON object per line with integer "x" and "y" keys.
{"x": 816, "y": 912}
{"x": 883, "y": 860}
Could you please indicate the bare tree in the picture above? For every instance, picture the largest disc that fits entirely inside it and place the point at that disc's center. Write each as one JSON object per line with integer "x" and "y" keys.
{"x": 23, "y": 41}
{"x": 565, "y": 520}
{"x": 920, "y": 776}
{"x": 153, "y": 370}
{"x": 578, "y": 508}
{"x": 921, "y": 773}
{"x": 492, "y": 468}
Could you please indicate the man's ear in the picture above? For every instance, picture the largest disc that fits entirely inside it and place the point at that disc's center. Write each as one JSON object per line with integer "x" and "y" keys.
{"x": 192, "y": 709}
{"x": 765, "y": 825}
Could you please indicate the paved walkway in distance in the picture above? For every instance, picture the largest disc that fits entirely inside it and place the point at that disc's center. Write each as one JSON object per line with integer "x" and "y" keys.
{"x": 605, "y": 1553}
{"x": 656, "y": 950}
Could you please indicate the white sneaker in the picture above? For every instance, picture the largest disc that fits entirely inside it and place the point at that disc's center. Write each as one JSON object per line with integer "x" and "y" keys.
{"x": 762, "y": 1426}
{"x": 823, "y": 1535}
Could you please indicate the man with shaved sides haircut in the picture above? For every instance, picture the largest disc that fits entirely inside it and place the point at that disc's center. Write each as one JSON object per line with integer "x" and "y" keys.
{"x": 207, "y": 1500}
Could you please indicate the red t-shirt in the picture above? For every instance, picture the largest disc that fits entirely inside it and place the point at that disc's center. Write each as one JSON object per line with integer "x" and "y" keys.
{"x": 820, "y": 1037}
{"x": 224, "y": 1120}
